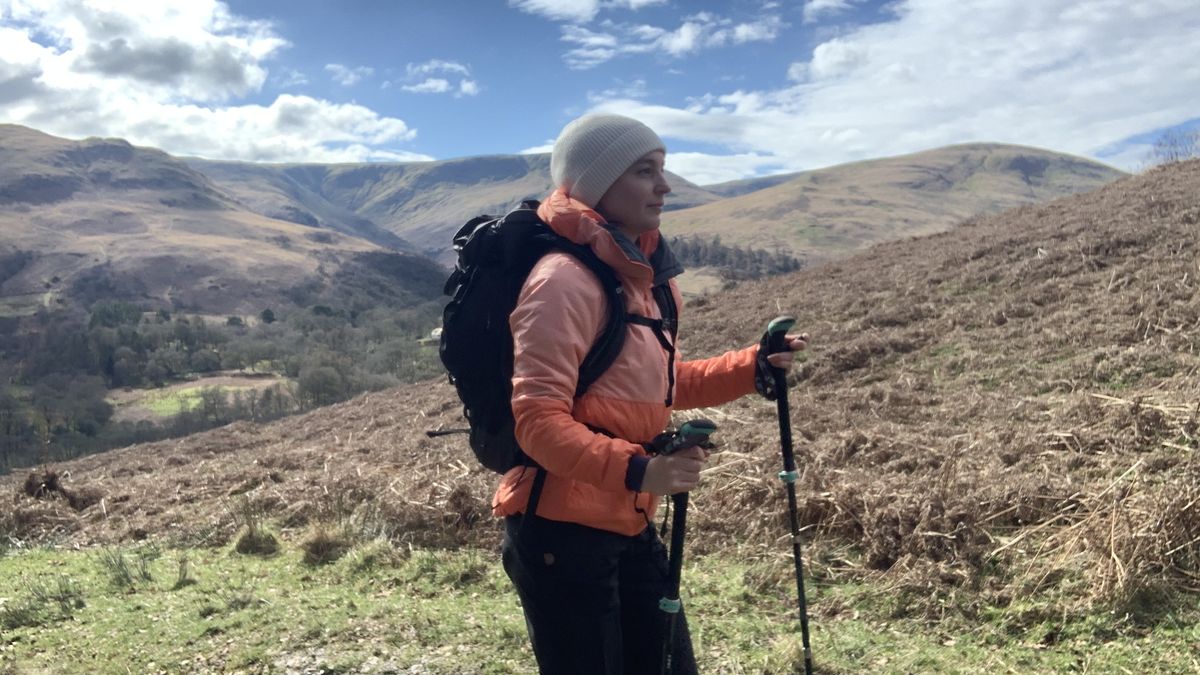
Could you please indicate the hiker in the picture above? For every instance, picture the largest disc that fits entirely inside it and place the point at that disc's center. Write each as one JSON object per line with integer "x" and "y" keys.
{"x": 582, "y": 552}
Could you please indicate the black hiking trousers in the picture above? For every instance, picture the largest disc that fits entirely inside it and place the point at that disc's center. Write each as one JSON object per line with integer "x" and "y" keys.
{"x": 591, "y": 598}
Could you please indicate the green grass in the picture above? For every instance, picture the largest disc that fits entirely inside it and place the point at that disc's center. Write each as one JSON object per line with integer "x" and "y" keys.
{"x": 379, "y": 609}
{"x": 171, "y": 403}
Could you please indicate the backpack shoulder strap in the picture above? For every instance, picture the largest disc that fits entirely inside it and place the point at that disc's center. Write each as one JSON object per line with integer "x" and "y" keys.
{"x": 668, "y": 323}
{"x": 612, "y": 338}
{"x": 667, "y": 307}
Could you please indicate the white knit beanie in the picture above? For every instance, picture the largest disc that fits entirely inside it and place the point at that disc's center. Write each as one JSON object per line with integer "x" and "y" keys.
{"x": 593, "y": 151}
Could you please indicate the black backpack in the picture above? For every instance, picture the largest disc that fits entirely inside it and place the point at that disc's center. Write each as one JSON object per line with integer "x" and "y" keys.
{"x": 495, "y": 255}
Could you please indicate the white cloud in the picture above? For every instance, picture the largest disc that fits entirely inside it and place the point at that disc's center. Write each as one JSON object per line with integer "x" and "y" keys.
{"x": 196, "y": 50}
{"x": 286, "y": 78}
{"x": 440, "y": 85}
{"x": 635, "y": 89}
{"x": 836, "y": 58}
{"x": 636, "y": 4}
{"x": 1077, "y": 76}
{"x": 433, "y": 85}
{"x": 580, "y": 11}
{"x": 545, "y": 147}
{"x": 436, "y": 66}
{"x": 346, "y": 76}
{"x": 707, "y": 169}
{"x": 577, "y": 11}
{"x": 163, "y": 75}
{"x": 763, "y": 30}
{"x": 591, "y": 47}
{"x": 815, "y": 9}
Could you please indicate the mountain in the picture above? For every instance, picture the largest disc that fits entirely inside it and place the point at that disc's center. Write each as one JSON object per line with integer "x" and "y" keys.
{"x": 102, "y": 219}
{"x": 423, "y": 202}
{"x": 1006, "y": 405}
{"x": 735, "y": 188}
{"x": 816, "y": 214}
{"x": 264, "y": 190}
{"x": 830, "y": 212}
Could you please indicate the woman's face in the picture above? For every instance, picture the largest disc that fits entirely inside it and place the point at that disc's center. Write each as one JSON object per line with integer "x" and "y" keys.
{"x": 635, "y": 201}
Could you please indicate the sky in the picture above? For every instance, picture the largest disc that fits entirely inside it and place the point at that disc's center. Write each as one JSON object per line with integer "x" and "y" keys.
{"x": 737, "y": 89}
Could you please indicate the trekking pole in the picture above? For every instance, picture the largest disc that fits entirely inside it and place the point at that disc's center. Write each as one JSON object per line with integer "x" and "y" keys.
{"x": 691, "y": 434}
{"x": 777, "y": 332}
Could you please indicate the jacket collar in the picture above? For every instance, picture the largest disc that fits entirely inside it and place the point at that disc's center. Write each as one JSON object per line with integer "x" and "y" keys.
{"x": 648, "y": 261}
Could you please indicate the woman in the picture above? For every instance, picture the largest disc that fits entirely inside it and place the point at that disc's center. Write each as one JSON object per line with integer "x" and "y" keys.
{"x": 587, "y": 564}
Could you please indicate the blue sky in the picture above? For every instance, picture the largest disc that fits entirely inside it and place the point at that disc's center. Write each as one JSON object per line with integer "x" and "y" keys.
{"x": 737, "y": 89}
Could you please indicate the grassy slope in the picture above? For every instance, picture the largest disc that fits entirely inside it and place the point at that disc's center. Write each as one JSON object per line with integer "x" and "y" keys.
{"x": 379, "y": 609}
{"x": 832, "y": 212}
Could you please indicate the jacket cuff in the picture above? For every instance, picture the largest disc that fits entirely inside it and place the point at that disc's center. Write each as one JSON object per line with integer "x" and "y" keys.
{"x": 636, "y": 472}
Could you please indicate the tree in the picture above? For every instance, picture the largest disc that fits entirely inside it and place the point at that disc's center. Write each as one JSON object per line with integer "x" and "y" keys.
{"x": 167, "y": 362}
{"x": 14, "y": 428}
{"x": 206, "y": 361}
{"x": 267, "y": 316}
{"x": 113, "y": 314}
{"x": 214, "y": 405}
{"x": 320, "y": 385}
{"x": 127, "y": 368}
{"x": 155, "y": 373}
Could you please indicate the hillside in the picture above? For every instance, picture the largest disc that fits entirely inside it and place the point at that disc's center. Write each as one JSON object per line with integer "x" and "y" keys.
{"x": 830, "y": 212}
{"x": 423, "y": 202}
{"x": 102, "y": 219}
{"x": 1006, "y": 406}
{"x": 817, "y": 214}
{"x": 267, "y": 191}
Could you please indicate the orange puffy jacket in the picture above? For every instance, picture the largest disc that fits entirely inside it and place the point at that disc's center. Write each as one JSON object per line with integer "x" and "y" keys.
{"x": 559, "y": 314}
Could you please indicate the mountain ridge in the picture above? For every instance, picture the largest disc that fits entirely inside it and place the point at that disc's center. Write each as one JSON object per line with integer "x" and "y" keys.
{"x": 100, "y": 203}
{"x": 827, "y": 213}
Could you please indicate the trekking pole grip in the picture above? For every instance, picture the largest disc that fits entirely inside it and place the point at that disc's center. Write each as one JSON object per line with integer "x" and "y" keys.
{"x": 777, "y": 330}
{"x": 691, "y": 433}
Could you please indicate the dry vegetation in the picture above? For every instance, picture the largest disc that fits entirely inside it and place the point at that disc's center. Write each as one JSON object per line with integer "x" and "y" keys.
{"x": 832, "y": 212}
{"x": 1007, "y": 408}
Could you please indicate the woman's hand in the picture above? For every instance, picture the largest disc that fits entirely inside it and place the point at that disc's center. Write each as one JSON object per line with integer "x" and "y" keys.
{"x": 674, "y": 473}
{"x": 784, "y": 360}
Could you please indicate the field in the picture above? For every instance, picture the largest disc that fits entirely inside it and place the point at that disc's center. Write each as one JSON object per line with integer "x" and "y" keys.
{"x": 694, "y": 283}
{"x": 997, "y": 430}
{"x": 379, "y": 609}
{"x": 153, "y": 405}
